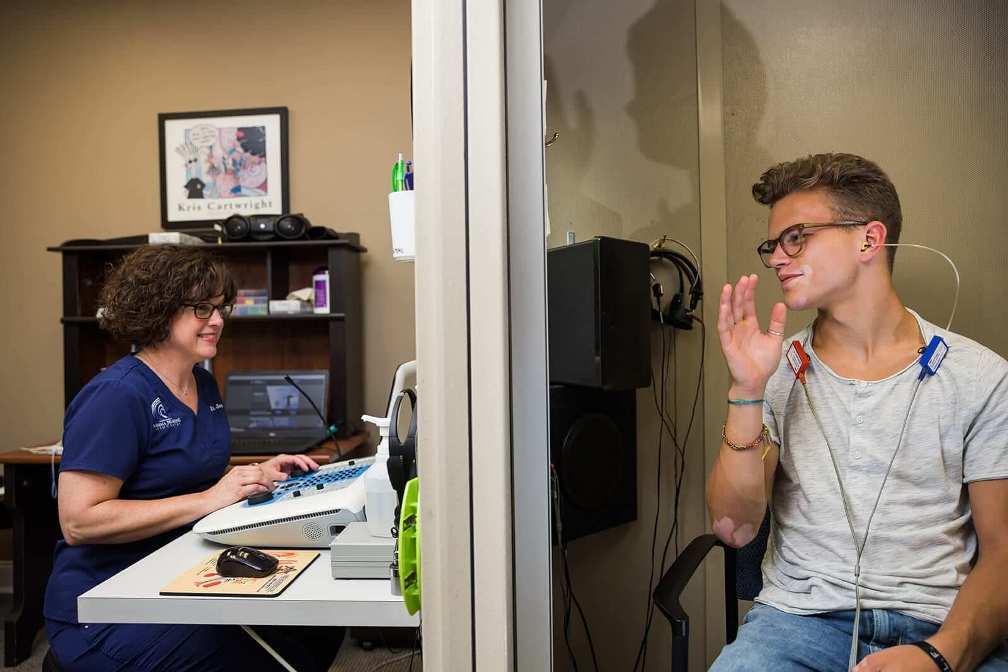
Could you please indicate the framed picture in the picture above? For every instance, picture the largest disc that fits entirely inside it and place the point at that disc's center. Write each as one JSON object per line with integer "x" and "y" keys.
{"x": 216, "y": 164}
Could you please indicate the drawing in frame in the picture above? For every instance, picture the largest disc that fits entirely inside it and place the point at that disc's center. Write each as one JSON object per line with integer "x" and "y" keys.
{"x": 220, "y": 163}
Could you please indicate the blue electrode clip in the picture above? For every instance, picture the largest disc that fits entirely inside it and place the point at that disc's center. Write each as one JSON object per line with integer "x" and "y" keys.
{"x": 932, "y": 356}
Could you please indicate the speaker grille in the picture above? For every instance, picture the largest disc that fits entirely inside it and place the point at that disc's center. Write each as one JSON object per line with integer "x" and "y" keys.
{"x": 291, "y": 227}
{"x": 235, "y": 227}
{"x": 312, "y": 531}
{"x": 591, "y": 469}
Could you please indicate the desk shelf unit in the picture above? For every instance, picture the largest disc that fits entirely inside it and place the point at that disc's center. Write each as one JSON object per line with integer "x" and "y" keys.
{"x": 330, "y": 341}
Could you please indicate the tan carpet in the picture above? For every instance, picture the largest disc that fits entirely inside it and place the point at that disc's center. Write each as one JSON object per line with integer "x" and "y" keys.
{"x": 352, "y": 658}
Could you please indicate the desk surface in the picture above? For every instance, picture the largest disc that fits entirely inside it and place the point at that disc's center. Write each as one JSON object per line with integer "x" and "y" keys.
{"x": 328, "y": 451}
{"x": 314, "y": 598}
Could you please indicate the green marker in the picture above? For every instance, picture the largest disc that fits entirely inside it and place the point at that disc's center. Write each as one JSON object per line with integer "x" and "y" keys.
{"x": 398, "y": 173}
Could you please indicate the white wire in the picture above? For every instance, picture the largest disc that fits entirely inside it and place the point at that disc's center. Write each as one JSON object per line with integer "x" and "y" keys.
{"x": 859, "y": 547}
{"x": 955, "y": 300}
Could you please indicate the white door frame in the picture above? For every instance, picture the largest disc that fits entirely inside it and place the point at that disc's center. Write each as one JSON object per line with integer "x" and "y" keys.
{"x": 481, "y": 336}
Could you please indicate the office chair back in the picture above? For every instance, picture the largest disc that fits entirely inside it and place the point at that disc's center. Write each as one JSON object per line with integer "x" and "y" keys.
{"x": 749, "y": 564}
{"x": 743, "y": 581}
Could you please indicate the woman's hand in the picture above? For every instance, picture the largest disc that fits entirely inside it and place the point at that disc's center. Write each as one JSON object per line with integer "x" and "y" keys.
{"x": 281, "y": 466}
{"x": 752, "y": 354}
{"x": 239, "y": 483}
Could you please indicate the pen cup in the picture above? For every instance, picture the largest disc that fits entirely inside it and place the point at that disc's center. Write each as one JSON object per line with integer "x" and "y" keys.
{"x": 402, "y": 221}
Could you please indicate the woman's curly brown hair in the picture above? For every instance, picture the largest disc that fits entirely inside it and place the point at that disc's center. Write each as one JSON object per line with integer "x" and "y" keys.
{"x": 145, "y": 290}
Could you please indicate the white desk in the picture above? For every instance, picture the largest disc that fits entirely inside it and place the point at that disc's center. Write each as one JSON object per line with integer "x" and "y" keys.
{"x": 314, "y": 598}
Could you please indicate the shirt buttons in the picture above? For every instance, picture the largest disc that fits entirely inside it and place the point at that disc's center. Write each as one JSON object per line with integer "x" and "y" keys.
{"x": 860, "y": 419}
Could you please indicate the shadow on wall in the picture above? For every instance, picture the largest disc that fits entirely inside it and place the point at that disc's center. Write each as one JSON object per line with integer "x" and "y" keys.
{"x": 567, "y": 163}
{"x": 745, "y": 100}
{"x": 659, "y": 57}
{"x": 659, "y": 91}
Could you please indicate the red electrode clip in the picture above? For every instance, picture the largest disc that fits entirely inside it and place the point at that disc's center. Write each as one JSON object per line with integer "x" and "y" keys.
{"x": 798, "y": 360}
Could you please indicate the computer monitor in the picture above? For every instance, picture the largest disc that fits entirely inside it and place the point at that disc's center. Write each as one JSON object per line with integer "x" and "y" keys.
{"x": 265, "y": 401}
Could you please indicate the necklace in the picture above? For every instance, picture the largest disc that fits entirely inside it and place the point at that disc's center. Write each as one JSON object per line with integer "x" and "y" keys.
{"x": 182, "y": 392}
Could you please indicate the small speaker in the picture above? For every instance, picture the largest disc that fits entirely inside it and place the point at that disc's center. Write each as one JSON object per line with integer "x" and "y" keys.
{"x": 593, "y": 448}
{"x": 236, "y": 227}
{"x": 291, "y": 226}
{"x": 599, "y": 312}
{"x": 266, "y": 227}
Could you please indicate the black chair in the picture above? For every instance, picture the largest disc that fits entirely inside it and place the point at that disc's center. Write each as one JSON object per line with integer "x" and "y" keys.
{"x": 743, "y": 581}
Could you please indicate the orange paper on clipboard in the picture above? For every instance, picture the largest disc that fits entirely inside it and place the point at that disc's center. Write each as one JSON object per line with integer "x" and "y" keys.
{"x": 203, "y": 579}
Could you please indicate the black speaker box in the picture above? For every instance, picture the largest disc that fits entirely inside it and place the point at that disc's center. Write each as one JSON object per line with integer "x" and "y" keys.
{"x": 593, "y": 447}
{"x": 291, "y": 226}
{"x": 599, "y": 312}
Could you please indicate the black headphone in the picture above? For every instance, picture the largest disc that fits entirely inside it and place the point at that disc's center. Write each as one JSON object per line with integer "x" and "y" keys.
{"x": 679, "y": 314}
{"x": 401, "y": 462}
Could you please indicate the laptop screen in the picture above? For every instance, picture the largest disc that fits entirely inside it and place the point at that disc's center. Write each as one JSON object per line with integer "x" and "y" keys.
{"x": 263, "y": 400}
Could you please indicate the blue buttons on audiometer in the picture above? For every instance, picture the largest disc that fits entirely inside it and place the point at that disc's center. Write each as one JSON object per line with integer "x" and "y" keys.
{"x": 297, "y": 486}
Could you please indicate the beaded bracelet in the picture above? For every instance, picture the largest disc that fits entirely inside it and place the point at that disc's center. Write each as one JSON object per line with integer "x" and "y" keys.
{"x": 764, "y": 437}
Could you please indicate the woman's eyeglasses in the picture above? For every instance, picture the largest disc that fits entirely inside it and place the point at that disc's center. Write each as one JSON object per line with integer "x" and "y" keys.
{"x": 792, "y": 239}
{"x": 205, "y": 309}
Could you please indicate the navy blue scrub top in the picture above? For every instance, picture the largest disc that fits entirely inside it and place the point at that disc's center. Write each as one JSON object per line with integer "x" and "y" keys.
{"x": 126, "y": 423}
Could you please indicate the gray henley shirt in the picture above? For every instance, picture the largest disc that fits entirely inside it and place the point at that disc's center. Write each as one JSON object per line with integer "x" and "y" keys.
{"x": 921, "y": 544}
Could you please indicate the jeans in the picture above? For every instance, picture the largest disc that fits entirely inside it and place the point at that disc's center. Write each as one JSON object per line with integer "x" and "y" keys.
{"x": 770, "y": 639}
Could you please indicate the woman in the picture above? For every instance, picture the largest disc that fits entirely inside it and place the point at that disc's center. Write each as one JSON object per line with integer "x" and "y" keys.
{"x": 145, "y": 451}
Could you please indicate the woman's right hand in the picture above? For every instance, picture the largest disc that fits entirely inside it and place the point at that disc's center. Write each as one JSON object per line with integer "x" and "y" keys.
{"x": 752, "y": 354}
{"x": 239, "y": 483}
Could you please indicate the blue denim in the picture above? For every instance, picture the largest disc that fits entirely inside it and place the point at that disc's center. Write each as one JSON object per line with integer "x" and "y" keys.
{"x": 128, "y": 647}
{"x": 770, "y": 639}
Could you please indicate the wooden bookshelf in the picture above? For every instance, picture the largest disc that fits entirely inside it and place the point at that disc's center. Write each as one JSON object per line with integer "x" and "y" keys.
{"x": 330, "y": 341}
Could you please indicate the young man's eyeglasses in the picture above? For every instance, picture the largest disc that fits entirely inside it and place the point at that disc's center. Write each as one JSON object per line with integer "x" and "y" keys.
{"x": 792, "y": 239}
{"x": 205, "y": 309}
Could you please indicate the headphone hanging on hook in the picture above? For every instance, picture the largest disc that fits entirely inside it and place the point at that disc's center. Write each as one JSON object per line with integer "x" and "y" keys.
{"x": 679, "y": 313}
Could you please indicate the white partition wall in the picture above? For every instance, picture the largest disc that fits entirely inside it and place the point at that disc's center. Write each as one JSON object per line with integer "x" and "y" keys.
{"x": 444, "y": 456}
{"x": 481, "y": 336}
{"x": 527, "y": 310}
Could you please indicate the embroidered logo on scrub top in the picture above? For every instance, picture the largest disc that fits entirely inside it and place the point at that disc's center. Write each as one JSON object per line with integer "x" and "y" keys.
{"x": 160, "y": 415}
{"x": 216, "y": 407}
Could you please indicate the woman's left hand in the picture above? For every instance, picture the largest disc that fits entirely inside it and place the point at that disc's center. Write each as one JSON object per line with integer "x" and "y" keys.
{"x": 280, "y": 467}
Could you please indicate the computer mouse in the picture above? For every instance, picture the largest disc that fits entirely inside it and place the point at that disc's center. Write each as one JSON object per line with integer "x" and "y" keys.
{"x": 259, "y": 498}
{"x": 245, "y": 562}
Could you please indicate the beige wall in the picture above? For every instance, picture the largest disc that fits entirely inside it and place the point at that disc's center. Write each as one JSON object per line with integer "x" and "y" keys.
{"x": 917, "y": 86}
{"x": 82, "y": 86}
{"x": 622, "y": 94}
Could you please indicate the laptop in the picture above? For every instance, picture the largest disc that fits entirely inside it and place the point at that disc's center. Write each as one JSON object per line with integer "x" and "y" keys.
{"x": 269, "y": 416}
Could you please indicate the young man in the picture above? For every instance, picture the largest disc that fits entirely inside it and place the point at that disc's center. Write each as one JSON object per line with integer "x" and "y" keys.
{"x": 888, "y": 486}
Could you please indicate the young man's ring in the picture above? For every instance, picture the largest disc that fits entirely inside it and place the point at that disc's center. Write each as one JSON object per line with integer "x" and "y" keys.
{"x": 775, "y": 333}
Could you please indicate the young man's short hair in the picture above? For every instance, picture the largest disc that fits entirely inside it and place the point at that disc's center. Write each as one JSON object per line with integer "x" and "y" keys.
{"x": 857, "y": 187}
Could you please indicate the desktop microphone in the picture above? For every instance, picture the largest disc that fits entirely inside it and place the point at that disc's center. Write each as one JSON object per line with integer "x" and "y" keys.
{"x": 330, "y": 430}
